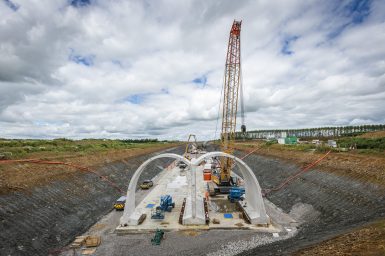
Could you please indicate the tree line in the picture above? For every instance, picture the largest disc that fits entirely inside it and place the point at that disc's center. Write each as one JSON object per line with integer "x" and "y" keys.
{"x": 340, "y": 131}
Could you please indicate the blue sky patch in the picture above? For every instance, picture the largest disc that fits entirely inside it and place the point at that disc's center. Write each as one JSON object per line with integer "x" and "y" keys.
{"x": 87, "y": 60}
{"x": 136, "y": 98}
{"x": 358, "y": 10}
{"x": 200, "y": 81}
{"x": 287, "y": 43}
{"x": 80, "y": 3}
{"x": 11, "y": 5}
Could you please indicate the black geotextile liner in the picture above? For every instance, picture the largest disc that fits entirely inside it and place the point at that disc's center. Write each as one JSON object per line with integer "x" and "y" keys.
{"x": 44, "y": 220}
{"x": 341, "y": 203}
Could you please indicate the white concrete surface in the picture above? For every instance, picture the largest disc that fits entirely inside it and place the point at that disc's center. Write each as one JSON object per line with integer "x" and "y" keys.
{"x": 189, "y": 184}
{"x": 131, "y": 212}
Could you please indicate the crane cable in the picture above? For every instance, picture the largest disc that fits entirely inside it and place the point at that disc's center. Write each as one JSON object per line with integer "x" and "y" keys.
{"x": 219, "y": 107}
{"x": 251, "y": 152}
{"x": 241, "y": 85}
{"x": 82, "y": 168}
{"x": 292, "y": 177}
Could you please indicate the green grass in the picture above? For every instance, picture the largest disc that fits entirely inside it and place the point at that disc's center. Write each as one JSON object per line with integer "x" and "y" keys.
{"x": 299, "y": 147}
{"x": 363, "y": 143}
{"x": 22, "y": 148}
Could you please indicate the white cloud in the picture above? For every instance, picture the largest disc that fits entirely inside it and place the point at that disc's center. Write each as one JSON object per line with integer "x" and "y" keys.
{"x": 121, "y": 69}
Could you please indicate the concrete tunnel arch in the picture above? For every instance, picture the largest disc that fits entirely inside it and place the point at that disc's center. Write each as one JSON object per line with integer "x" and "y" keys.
{"x": 253, "y": 193}
{"x": 255, "y": 205}
{"x": 130, "y": 197}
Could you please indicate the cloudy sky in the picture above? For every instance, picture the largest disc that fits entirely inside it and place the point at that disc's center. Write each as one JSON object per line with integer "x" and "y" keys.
{"x": 133, "y": 69}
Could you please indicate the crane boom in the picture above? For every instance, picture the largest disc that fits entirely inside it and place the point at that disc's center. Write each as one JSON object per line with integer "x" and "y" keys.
{"x": 232, "y": 81}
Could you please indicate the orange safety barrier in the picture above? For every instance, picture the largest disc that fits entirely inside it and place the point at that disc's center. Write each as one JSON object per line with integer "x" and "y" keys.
{"x": 290, "y": 178}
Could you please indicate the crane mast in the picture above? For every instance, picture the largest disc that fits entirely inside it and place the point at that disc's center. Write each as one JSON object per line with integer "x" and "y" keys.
{"x": 232, "y": 84}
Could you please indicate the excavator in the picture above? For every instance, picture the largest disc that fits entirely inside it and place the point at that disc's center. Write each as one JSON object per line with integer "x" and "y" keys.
{"x": 191, "y": 146}
{"x": 232, "y": 88}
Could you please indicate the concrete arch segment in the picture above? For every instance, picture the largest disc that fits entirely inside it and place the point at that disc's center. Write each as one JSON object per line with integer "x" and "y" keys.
{"x": 129, "y": 217}
{"x": 255, "y": 205}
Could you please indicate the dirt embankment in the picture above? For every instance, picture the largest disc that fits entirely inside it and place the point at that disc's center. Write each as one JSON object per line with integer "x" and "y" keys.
{"x": 366, "y": 168}
{"x": 369, "y": 240}
{"x": 25, "y": 176}
{"x": 347, "y": 191}
{"x": 46, "y": 215}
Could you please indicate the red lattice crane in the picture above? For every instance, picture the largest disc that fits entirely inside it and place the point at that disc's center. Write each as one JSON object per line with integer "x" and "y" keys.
{"x": 232, "y": 87}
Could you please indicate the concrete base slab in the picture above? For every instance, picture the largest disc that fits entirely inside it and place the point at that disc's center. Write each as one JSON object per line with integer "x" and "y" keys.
{"x": 175, "y": 182}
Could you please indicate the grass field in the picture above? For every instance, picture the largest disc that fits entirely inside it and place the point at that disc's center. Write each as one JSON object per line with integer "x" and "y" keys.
{"x": 86, "y": 153}
{"x": 16, "y": 149}
{"x": 364, "y": 144}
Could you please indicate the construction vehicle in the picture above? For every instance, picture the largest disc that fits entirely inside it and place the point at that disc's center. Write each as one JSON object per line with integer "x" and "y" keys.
{"x": 191, "y": 146}
{"x": 159, "y": 234}
{"x": 166, "y": 205}
{"x": 146, "y": 184}
{"x": 231, "y": 88}
{"x": 120, "y": 203}
{"x": 181, "y": 165}
{"x": 157, "y": 214}
{"x": 236, "y": 194}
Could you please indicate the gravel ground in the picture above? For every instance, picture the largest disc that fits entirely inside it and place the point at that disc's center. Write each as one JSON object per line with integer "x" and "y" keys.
{"x": 212, "y": 243}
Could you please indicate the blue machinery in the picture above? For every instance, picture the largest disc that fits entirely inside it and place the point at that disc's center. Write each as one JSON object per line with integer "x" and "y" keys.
{"x": 166, "y": 204}
{"x": 236, "y": 194}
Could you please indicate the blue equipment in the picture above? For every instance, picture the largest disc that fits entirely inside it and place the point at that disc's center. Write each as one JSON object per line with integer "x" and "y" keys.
{"x": 157, "y": 214}
{"x": 166, "y": 204}
{"x": 236, "y": 194}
